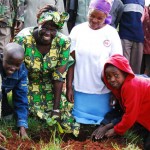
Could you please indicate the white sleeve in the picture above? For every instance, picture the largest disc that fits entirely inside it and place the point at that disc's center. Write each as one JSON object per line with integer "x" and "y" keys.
{"x": 73, "y": 36}
{"x": 116, "y": 43}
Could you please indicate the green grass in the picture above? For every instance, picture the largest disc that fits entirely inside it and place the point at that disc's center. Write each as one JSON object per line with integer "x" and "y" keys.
{"x": 35, "y": 127}
{"x": 6, "y": 127}
{"x": 50, "y": 146}
{"x": 133, "y": 138}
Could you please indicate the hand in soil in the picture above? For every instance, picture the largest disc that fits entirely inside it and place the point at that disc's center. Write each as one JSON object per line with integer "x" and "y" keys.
{"x": 110, "y": 133}
{"x": 99, "y": 132}
{"x": 23, "y": 133}
{"x": 2, "y": 137}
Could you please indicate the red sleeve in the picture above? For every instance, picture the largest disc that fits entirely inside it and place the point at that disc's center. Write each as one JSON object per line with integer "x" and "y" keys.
{"x": 131, "y": 104}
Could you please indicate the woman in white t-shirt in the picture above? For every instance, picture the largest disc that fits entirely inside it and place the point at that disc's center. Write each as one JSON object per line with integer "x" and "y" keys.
{"x": 92, "y": 43}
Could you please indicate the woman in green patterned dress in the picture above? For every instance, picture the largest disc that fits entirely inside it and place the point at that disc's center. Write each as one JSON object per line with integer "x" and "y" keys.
{"x": 47, "y": 54}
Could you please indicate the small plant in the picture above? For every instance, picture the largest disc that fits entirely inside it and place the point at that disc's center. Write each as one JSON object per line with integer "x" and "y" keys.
{"x": 115, "y": 146}
{"x": 35, "y": 125}
{"x": 50, "y": 146}
{"x": 6, "y": 126}
{"x": 131, "y": 147}
{"x": 132, "y": 137}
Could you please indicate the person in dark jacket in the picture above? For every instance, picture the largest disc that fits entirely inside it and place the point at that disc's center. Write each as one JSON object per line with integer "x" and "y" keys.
{"x": 131, "y": 33}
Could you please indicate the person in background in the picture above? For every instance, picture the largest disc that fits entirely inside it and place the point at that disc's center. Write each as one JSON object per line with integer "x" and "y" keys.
{"x": 32, "y": 7}
{"x": 47, "y": 54}
{"x": 2, "y": 137}
{"x": 92, "y": 43}
{"x": 77, "y": 10}
{"x": 146, "y": 28}
{"x": 14, "y": 78}
{"x": 120, "y": 79}
{"x": 131, "y": 33}
{"x": 11, "y": 20}
{"x": 116, "y": 12}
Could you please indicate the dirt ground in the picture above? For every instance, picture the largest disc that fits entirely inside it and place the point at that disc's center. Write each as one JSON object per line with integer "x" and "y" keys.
{"x": 69, "y": 142}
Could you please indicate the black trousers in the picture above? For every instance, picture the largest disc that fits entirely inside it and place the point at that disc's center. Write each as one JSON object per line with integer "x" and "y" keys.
{"x": 147, "y": 141}
{"x": 113, "y": 116}
{"x": 6, "y": 108}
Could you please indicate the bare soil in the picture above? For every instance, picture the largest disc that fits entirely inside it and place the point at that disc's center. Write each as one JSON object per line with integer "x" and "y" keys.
{"x": 69, "y": 142}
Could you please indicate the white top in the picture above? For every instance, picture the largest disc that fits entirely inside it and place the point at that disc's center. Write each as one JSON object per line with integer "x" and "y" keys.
{"x": 92, "y": 49}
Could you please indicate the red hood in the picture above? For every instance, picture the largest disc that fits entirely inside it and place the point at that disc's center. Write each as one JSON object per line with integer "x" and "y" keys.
{"x": 120, "y": 62}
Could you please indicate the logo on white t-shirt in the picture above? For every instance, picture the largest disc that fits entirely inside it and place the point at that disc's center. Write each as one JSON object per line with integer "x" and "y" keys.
{"x": 106, "y": 43}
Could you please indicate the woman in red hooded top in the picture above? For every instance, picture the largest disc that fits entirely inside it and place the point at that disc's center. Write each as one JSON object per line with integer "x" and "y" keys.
{"x": 133, "y": 94}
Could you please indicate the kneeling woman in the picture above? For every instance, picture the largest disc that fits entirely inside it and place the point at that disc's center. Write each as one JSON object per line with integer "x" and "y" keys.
{"x": 92, "y": 43}
{"x": 47, "y": 59}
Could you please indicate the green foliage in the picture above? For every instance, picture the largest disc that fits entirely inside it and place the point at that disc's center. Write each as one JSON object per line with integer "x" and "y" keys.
{"x": 6, "y": 126}
{"x": 50, "y": 146}
{"x": 132, "y": 137}
{"x": 128, "y": 147}
{"x": 35, "y": 125}
{"x": 131, "y": 147}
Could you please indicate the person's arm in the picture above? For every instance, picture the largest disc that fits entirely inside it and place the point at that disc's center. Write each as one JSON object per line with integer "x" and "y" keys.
{"x": 116, "y": 46}
{"x": 2, "y": 137}
{"x": 58, "y": 84}
{"x": 119, "y": 10}
{"x": 19, "y": 16}
{"x": 69, "y": 80}
{"x": 131, "y": 105}
{"x": 20, "y": 101}
{"x": 59, "y": 75}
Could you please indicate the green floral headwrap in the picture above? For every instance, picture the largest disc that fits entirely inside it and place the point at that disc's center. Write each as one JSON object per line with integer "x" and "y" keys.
{"x": 57, "y": 17}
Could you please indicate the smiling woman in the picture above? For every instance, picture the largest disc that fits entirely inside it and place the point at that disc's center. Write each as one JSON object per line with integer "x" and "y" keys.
{"x": 47, "y": 60}
{"x": 92, "y": 43}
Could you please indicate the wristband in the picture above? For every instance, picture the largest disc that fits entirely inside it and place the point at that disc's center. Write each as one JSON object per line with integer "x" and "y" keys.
{"x": 56, "y": 110}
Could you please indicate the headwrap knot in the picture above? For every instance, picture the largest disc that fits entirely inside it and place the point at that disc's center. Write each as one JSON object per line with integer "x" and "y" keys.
{"x": 57, "y": 17}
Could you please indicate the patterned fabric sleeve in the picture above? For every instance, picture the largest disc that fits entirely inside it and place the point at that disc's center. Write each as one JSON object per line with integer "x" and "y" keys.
{"x": 64, "y": 59}
{"x": 19, "y": 40}
{"x": 64, "y": 52}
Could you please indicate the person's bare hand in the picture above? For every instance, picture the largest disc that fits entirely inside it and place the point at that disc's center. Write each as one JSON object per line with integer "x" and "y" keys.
{"x": 70, "y": 95}
{"x": 2, "y": 137}
{"x": 110, "y": 133}
{"x": 99, "y": 133}
{"x": 23, "y": 133}
{"x": 43, "y": 9}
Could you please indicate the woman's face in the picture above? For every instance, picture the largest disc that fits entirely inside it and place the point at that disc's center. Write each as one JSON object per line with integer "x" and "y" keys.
{"x": 96, "y": 19}
{"x": 47, "y": 32}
